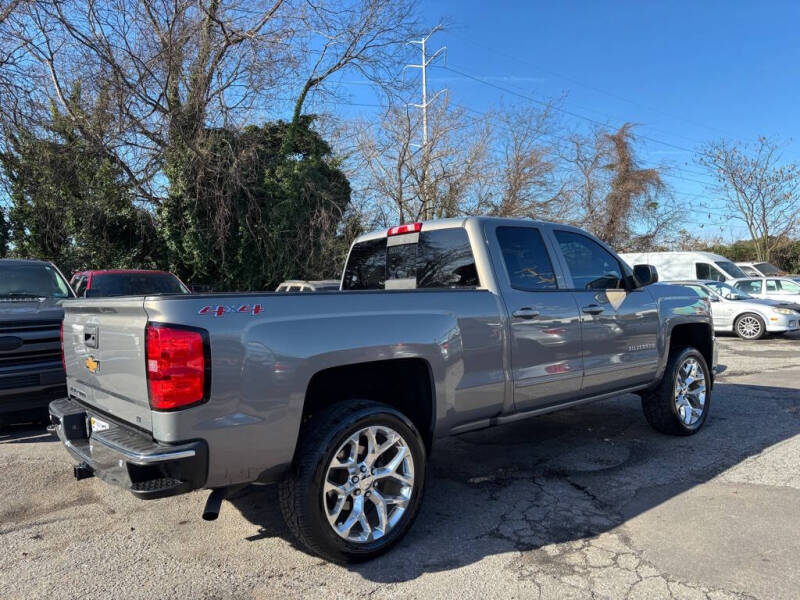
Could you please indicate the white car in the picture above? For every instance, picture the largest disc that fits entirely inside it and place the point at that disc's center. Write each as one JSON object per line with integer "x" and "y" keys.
{"x": 763, "y": 269}
{"x": 784, "y": 289}
{"x": 749, "y": 318}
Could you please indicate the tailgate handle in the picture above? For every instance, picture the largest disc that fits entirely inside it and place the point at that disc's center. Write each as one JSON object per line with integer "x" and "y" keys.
{"x": 90, "y": 336}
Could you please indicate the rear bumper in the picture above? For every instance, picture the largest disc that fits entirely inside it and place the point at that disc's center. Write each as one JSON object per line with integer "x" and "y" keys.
{"x": 127, "y": 457}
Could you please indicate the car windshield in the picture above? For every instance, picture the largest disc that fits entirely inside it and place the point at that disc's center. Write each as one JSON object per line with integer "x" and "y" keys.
{"x": 767, "y": 268}
{"x": 728, "y": 291}
{"x": 32, "y": 280}
{"x": 730, "y": 268}
{"x": 135, "y": 284}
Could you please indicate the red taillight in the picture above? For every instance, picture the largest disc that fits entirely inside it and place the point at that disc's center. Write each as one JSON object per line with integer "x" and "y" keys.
{"x": 176, "y": 367}
{"x": 407, "y": 228}
{"x": 61, "y": 336}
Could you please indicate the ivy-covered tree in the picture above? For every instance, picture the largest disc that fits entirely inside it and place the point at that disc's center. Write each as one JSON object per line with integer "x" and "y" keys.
{"x": 242, "y": 215}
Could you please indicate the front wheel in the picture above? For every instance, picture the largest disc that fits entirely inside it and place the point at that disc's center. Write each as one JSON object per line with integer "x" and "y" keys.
{"x": 680, "y": 403}
{"x": 749, "y": 326}
{"x": 357, "y": 483}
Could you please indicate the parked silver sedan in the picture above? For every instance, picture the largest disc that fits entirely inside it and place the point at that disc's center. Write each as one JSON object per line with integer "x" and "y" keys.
{"x": 784, "y": 289}
{"x": 748, "y": 317}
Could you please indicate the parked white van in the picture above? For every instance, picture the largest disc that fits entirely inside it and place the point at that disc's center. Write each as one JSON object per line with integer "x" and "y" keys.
{"x": 675, "y": 266}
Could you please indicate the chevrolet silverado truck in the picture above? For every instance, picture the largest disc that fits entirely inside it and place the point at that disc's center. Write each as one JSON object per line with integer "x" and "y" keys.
{"x": 439, "y": 328}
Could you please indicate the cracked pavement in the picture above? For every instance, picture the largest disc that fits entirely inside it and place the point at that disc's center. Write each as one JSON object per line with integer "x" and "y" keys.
{"x": 588, "y": 502}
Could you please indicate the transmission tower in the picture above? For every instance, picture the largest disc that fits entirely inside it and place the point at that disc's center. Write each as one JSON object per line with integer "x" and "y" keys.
{"x": 427, "y": 209}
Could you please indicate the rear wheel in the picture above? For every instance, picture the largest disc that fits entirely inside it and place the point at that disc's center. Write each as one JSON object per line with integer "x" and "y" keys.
{"x": 357, "y": 483}
{"x": 749, "y": 326}
{"x": 680, "y": 403}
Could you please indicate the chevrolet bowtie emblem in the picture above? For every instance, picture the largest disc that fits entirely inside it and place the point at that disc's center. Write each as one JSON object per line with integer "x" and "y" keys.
{"x": 92, "y": 364}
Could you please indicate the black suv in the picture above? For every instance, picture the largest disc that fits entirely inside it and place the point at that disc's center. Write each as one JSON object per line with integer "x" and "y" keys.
{"x": 31, "y": 367}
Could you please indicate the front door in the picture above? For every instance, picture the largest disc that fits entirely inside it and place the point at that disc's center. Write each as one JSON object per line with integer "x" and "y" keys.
{"x": 544, "y": 322}
{"x": 619, "y": 324}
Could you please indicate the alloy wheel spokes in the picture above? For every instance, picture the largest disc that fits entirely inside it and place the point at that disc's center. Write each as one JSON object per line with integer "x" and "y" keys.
{"x": 690, "y": 391}
{"x": 368, "y": 484}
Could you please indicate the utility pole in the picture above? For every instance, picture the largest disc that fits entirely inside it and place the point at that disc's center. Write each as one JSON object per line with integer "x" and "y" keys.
{"x": 427, "y": 208}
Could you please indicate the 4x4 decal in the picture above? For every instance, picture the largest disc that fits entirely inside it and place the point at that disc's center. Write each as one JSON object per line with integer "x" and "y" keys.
{"x": 221, "y": 309}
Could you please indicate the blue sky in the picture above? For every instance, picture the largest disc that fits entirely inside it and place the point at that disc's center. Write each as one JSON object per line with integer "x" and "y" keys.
{"x": 686, "y": 72}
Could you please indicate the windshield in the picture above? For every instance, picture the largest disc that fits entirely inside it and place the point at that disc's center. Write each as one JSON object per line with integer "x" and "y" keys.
{"x": 727, "y": 291}
{"x": 730, "y": 268}
{"x": 135, "y": 284}
{"x": 768, "y": 269}
{"x": 32, "y": 280}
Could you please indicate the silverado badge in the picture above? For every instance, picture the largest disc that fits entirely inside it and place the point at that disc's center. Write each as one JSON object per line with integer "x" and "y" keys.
{"x": 92, "y": 364}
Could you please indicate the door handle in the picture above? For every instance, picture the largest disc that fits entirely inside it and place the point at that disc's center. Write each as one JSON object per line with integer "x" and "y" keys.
{"x": 593, "y": 309}
{"x": 525, "y": 313}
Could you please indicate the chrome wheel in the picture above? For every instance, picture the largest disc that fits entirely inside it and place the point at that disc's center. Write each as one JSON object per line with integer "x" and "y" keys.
{"x": 748, "y": 327}
{"x": 690, "y": 391}
{"x": 368, "y": 484}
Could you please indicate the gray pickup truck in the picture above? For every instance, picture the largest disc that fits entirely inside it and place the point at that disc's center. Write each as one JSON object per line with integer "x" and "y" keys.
{"x": 31, "y": 373}
{"x": 439, "y": 328}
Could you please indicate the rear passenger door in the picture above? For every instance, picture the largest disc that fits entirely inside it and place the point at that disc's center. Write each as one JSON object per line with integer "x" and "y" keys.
{"x": 544, "y": 323}
{"x": 619, "y": 323}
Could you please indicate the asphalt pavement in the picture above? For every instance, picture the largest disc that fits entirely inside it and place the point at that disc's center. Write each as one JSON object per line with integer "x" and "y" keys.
{"x": 588, "y": 502}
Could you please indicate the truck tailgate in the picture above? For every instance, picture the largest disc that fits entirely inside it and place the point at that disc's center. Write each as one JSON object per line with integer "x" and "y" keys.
{"x": 104, "y": 351}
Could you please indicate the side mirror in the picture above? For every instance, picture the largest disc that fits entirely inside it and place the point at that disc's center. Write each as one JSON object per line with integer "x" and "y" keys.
{"x": 645, "y": 274}
{"x": 713, "y": 299}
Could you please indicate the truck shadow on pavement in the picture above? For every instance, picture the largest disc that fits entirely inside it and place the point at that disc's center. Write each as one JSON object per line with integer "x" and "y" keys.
{"x": 567, "y": 477}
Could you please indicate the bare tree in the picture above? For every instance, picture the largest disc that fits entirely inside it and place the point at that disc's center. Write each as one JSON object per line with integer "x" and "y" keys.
{"x": 448, "y": 179}
{"x": 759, "y": 189}
{"x": 623, "y": 204}
{"x": 365, "y": 37}
{"x": 526, "y": 176}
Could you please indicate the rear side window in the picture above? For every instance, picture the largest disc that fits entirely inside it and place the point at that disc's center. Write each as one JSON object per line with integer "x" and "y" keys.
{"x": 366, "y": 266}
{"x": 706, "y": 271}
{"x": 592, "y": 267}
{"x": 789, "y": 287}
{"x": 527, "y": 263}
{"x": 444, "y": 260}
{"x": 438, "y": 259}
{"x": 772, "y": 285}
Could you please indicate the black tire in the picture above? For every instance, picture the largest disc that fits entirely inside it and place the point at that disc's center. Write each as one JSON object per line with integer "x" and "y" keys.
{"x": 762, "y": 327}
{"x": 659, "y": 405}
{"x": 300, "y": 492}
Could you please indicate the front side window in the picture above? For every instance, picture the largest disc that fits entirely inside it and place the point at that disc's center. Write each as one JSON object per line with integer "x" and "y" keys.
{"x": 772, "y": 286}
{"x": 751, "y": 287}
{"x": 527, "y": 262}
{"x": 706, "y": 271}
{"x": 592, "y": 267}
{"x": 728, "y": 291}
